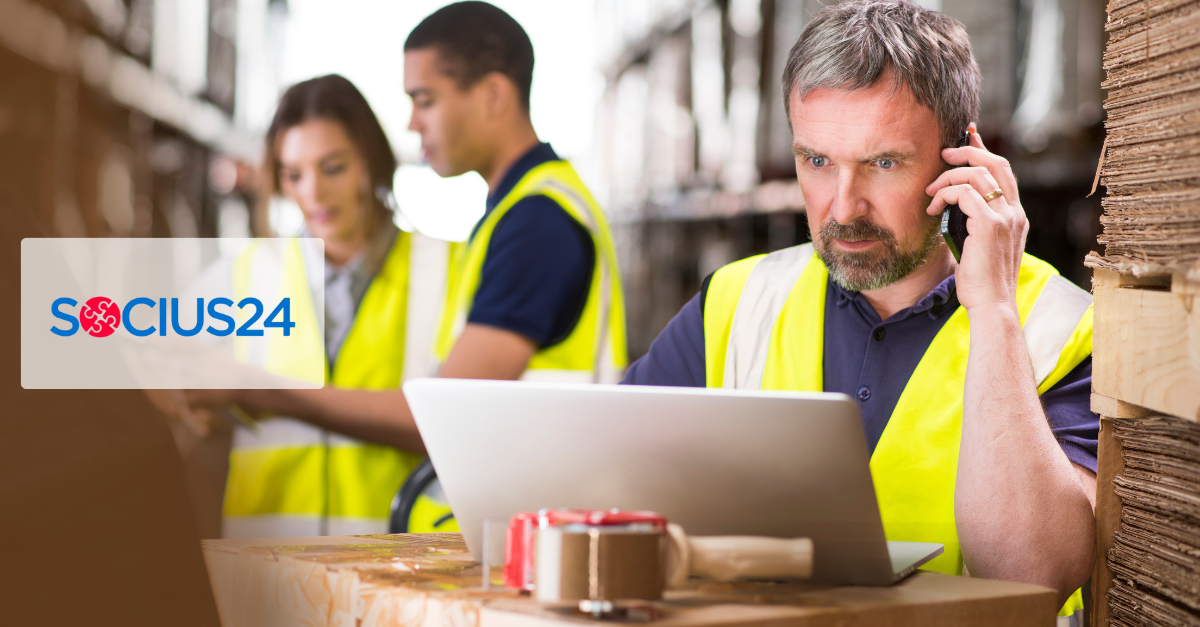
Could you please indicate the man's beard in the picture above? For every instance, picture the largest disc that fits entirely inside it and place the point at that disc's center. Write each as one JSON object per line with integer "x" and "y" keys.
{"x": 874, "y": 268}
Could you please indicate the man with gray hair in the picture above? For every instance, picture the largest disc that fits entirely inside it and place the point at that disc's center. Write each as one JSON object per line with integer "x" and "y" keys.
{"x": 973, "y": 375}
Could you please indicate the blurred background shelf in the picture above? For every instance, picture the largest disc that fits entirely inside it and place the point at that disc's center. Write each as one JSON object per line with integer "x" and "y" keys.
{"x": 113, "y": 113}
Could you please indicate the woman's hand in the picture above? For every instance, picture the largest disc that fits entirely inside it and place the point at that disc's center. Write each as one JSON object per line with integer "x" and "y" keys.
{"x": 198, "y": 419}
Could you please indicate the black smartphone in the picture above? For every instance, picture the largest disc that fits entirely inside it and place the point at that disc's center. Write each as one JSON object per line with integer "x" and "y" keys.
{"x": 954, "y": 221}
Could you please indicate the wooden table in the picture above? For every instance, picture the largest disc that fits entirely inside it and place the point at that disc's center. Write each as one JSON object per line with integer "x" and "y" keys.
{"x": 430, "y": 579}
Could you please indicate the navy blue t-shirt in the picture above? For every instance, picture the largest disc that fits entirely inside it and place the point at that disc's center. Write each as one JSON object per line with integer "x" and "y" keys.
{"x": 539, "y": 263}
{"x": 871, "y": 361}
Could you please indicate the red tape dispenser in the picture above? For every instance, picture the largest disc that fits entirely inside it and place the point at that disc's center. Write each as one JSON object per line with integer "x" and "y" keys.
{"x": 597, "y": 557}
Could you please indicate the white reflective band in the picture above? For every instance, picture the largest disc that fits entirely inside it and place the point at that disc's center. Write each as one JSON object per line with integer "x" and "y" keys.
{"x": 346, "y": 526}
{"x": 280, "y": 431}
{"x": 761, "y": 301}
{"x": 603, "y": 370}
{"x": 314, "y": 275}
{"x": 1051, "y": 322}
{"x": 267, "y": 277}
{"x": 299, "y": 526}
{"x": 580, "y": 206}
{"x": 426, "y": 296}
{"x": 274, "y": 526}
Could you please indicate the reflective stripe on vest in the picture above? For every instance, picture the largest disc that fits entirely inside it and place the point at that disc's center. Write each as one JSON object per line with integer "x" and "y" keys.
{"x": 764, "y": 329}
{"x": 291, "y": 477}
{"x": 594, "y": 351}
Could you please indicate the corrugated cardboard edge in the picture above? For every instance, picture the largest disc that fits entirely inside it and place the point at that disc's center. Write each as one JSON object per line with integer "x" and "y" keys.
{"x": 1110, "y": 463}
{"x": 258, "y": 588}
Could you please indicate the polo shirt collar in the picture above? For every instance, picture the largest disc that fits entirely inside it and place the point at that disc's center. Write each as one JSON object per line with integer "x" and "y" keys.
{"x": 536, "y": 156}
{"x": 935, "y": 302}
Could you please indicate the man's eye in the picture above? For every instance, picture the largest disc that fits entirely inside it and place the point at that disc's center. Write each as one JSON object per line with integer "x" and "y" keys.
{"x": 886, "y": 164}
{"x": 332, "y": 169}
{"x": 291, "y": 177}
{"x": 817, "y": 162}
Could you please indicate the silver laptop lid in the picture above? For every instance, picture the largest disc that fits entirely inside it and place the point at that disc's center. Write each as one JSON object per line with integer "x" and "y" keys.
{"x": 781, "y": 464}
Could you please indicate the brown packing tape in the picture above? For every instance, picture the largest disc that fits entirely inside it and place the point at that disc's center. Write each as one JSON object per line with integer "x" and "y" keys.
{"x": 598, "y": 563}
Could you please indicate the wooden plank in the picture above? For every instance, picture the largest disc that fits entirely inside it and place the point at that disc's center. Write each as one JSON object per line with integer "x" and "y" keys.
{"x": 1146, "y": 345}
{"x": 925, "y": 600}
{"x": 429, "y": 579}
{"x": 1109, "y": 464}
{"x": 1109, "y": 407}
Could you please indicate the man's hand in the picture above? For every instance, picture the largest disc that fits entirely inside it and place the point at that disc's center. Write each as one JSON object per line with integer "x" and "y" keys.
{"x": 1022, "y": 509}
{"x": 991, "y": 256}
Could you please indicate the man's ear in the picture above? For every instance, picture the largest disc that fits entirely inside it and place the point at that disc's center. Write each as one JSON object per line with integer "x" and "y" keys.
{"x": 500, "y": 93}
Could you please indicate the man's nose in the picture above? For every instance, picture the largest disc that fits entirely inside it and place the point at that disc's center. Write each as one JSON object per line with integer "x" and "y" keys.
{"x": 413, "y": 125}
{"x": 848, "y": 203}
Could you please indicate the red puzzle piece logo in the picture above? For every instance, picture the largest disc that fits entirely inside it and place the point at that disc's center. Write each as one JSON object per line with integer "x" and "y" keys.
{"x": 100, "y": 316}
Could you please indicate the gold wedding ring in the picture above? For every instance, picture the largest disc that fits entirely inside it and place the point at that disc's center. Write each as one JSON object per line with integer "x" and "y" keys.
{"x": 990, "y": 196}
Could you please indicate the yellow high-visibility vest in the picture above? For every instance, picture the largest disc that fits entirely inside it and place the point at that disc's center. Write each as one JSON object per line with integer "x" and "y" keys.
{"x": 764, "y": 320}
{"x": 594, "y": 351}
{"x": 291, "y": 478}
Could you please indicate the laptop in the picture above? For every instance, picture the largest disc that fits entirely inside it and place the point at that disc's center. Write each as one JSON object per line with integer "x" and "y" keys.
{"x": 717, "y": 462}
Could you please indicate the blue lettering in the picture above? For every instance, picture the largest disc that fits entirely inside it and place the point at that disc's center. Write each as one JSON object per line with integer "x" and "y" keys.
{"x": 128, "y": 319}
{"x": 245, "y": 329}
{"x": 54, "y": 309}
{"x": 199, "y": 318}
{"x": 285, "y": 307}
{"x": 279, "y": 318}
{"x": 216, "y": 315}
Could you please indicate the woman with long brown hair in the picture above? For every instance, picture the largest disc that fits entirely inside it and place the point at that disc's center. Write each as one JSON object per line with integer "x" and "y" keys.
{"x": 329, "y": 461}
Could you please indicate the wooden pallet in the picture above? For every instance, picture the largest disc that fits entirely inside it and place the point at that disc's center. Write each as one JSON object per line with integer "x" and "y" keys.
{"x": 1145, "y": 361}
{"x": 1146, "y": 346}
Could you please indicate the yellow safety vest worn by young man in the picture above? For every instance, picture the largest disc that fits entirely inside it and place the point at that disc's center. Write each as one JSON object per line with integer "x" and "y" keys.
{"x": 764, "y": 329}
{"x": 290, "y": 478}
{"x": 594, "y": 351}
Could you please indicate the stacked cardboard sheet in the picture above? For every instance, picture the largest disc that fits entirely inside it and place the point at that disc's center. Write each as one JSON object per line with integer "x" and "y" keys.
{"x": 1151, "y": 165}
{"x": 1155, "y": 557}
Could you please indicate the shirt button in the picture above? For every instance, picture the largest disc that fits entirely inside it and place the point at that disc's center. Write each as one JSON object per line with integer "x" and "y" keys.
{"x": 879, "y": 333}
{"x": 864, "y": 393}
{"x": 937, "y": 309}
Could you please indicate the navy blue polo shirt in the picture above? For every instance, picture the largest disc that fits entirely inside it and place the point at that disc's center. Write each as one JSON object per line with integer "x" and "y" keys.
{"x": 871, "y": 360}
{"x": 538, "y": 267}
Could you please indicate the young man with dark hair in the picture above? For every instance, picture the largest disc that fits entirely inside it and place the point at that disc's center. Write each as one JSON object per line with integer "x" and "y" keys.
{"x": 535, "y": 292}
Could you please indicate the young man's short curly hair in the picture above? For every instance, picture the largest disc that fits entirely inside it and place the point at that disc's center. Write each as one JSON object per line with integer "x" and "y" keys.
{"x": 474, "y": 39}
{"x": 852, "y": 44}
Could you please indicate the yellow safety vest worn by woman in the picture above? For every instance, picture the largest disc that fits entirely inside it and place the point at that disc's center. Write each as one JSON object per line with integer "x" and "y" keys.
{"x": 594, "y": 351}
{"x": 290, "y": 478}
{"x": 764, "y": 329}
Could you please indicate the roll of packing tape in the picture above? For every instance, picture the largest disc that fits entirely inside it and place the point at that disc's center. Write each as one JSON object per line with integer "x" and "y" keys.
{"x": 578, "y": 562}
